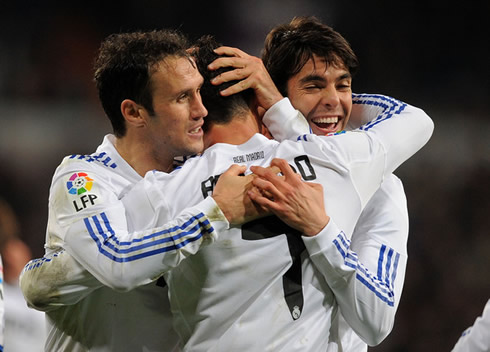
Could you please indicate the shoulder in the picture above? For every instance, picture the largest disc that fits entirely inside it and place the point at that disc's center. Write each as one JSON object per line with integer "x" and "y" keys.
{"x": 85, "y": 181}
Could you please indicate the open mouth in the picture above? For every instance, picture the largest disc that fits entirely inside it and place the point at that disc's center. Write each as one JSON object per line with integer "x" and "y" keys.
{"x": 195, "y": 130}
{"x": 327, "y": 124}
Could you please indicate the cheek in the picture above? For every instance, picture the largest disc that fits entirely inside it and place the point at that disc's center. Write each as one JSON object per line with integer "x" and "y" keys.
{"x": 302, "y": 102}
{"x": 307, "y": 104}
{"x": 346, "y": 102}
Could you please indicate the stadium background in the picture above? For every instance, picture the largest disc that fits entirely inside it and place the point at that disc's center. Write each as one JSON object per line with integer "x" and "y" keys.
{"x": 430, "y": 54}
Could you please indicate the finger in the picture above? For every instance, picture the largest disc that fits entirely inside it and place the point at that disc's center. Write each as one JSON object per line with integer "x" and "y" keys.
{"x": 235, "y": 170}
{"x": 236, "y": 74}
{"x": 260, "y": 170}
{"x": 264, "y": 172}
{"x": 268, "y": 188}
{"x": 262, "y": 201}
{"x": 234, "y": 89}
{"x": 230, "y": 51}
{"x": 315, "y": 186}
{"x": 286, "y": 169}
{"x": 227, "y": 62}
{"x": 274, "y": 169}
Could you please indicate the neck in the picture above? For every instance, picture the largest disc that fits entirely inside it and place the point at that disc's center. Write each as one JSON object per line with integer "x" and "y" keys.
{"x": 138, "y": 153}
{"x": 236, "y": 132}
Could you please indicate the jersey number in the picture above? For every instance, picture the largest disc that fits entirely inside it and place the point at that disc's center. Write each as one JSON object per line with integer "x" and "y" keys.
{"x": 292, "y": 280}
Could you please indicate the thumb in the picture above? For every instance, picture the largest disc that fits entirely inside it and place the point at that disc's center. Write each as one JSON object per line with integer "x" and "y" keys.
{"x": 235, "y": 170}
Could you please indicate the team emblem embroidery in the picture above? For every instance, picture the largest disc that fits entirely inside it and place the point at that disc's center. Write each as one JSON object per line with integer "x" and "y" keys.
{"x": 296, "y": 313}
{"x": 79, "y": 183}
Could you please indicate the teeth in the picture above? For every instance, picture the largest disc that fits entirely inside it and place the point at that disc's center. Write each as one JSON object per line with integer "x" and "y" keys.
{"x": 326, "y": 120}
{"x": 195, "y": 130}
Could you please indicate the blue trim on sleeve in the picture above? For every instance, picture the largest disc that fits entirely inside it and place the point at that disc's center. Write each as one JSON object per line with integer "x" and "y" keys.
{"x": 166, "y": 240}
{"x": 382, "y": 285}
{"x": 390, "y": 107}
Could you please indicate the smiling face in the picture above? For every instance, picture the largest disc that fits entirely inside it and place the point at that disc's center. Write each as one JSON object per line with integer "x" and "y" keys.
{"x": 323, "y": 94}
{"x": 175, "y": 128}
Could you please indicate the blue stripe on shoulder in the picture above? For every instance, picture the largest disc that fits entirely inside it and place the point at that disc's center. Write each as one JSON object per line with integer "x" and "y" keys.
{"x": 391, "y": 106}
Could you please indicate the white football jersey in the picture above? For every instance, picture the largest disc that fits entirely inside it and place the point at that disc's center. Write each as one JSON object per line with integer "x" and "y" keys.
{"x": 2, "y": 307}
{"x": 263, "y": 286}
{"x": 91, "y": 311}
{"x": 384, "y": 220}
{"x": 477, "y": 337}
{"x": 104, "y": 240}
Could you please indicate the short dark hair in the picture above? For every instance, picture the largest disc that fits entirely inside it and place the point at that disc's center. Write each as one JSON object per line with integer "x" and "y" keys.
{"x": 221, "y": 110}
{"x": 289, "y": 46}
{"x": 124, "y": 65}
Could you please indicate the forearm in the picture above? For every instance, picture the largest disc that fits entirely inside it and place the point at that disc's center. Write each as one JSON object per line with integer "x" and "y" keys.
{"x": 477, "y": 337}
{"x": 2, "y": 306}
{"x": 366, "y": 299}
{"x": 285, "y": 122}
{"x": 97, "y": 254}
{"x": 55, "y": 280}
{"x": 123, "y": 260}
{"x": 401, "y": 128}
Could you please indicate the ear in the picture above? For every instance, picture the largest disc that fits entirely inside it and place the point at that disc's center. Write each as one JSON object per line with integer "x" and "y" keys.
{"x": 134, "y": 114}
{"x": 265, "y": 131}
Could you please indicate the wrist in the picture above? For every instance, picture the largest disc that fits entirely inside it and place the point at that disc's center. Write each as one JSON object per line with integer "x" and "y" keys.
{"x": 316, "y": 228}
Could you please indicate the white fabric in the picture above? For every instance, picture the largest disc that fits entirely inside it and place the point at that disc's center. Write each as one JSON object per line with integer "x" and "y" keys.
{"x": 25, "y": 328}
{"x": 230, "y": 295}
{"x": 477, "y": 337}
{"x": 82, "y": 314}
{"x": 51, "y": 293}
{"x": 2, "y": 306}
{"x": 383, "y": 221}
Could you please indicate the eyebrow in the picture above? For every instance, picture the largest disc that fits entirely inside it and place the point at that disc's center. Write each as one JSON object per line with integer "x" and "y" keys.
{"x": 315, "y": 77}
{"x": 190, "y": 89}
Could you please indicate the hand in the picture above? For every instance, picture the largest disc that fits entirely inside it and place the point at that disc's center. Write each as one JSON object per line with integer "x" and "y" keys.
{"x": 249, "y": 71}
{"x": 231, "y": 195}
{"x": 299, "y": 204}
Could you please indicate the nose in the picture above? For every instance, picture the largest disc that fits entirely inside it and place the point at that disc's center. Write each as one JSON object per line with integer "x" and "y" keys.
{"x": 330, "y": 96}
{"x": 198, "y": 109}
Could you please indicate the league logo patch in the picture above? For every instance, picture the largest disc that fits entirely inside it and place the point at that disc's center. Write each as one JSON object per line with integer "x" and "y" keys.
{"x": 335, "y": 133}
{"x": 79, "y": 183}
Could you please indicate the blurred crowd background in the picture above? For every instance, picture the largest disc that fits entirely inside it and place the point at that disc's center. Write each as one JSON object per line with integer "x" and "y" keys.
{"x": 431, "y": 54}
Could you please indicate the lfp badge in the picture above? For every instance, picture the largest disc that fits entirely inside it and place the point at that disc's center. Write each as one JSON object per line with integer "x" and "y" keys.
{"x": 79, "y": 183}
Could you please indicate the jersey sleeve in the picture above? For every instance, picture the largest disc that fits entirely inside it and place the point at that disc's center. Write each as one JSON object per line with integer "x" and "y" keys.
{"x": 380, "y": 146}
{"x": 92, "y": 227}
{"x": 2, "y": 306}
{"x": 122, "y": 257}
{"x": 401, "y": 128}
{"x": 366, "y": 273}
{"x": 477, "y": 337}
{"x": 55, "y": 280}
{"x": 362, "y": 269}
{"x": 365, "y": 108}
{"x": 284, "y": 121}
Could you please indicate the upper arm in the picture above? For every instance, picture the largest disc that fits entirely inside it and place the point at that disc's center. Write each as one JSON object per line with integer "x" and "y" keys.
{"x": 284, "y": 121}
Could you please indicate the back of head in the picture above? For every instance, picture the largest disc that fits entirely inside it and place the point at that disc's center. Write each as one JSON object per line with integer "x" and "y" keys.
{"x": 221, "y": 110}
{"x": 289, "y": 46}
{"x": 124, "y": 66}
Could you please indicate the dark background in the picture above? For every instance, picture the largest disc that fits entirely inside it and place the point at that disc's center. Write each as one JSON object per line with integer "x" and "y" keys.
{"x": 430, "y": 54}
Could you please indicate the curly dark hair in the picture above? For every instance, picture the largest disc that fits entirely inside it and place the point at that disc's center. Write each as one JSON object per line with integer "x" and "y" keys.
{"x": 125, "y": 64}
{"x": 289, "y": 46}
{"x": 221, "y": 110}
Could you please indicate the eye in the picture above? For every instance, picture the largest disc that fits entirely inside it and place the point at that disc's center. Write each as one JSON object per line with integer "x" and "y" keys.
{"x": 344, "y": 85}
{"x": 312, "y": 87}
{"x": 183, "y": 96}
